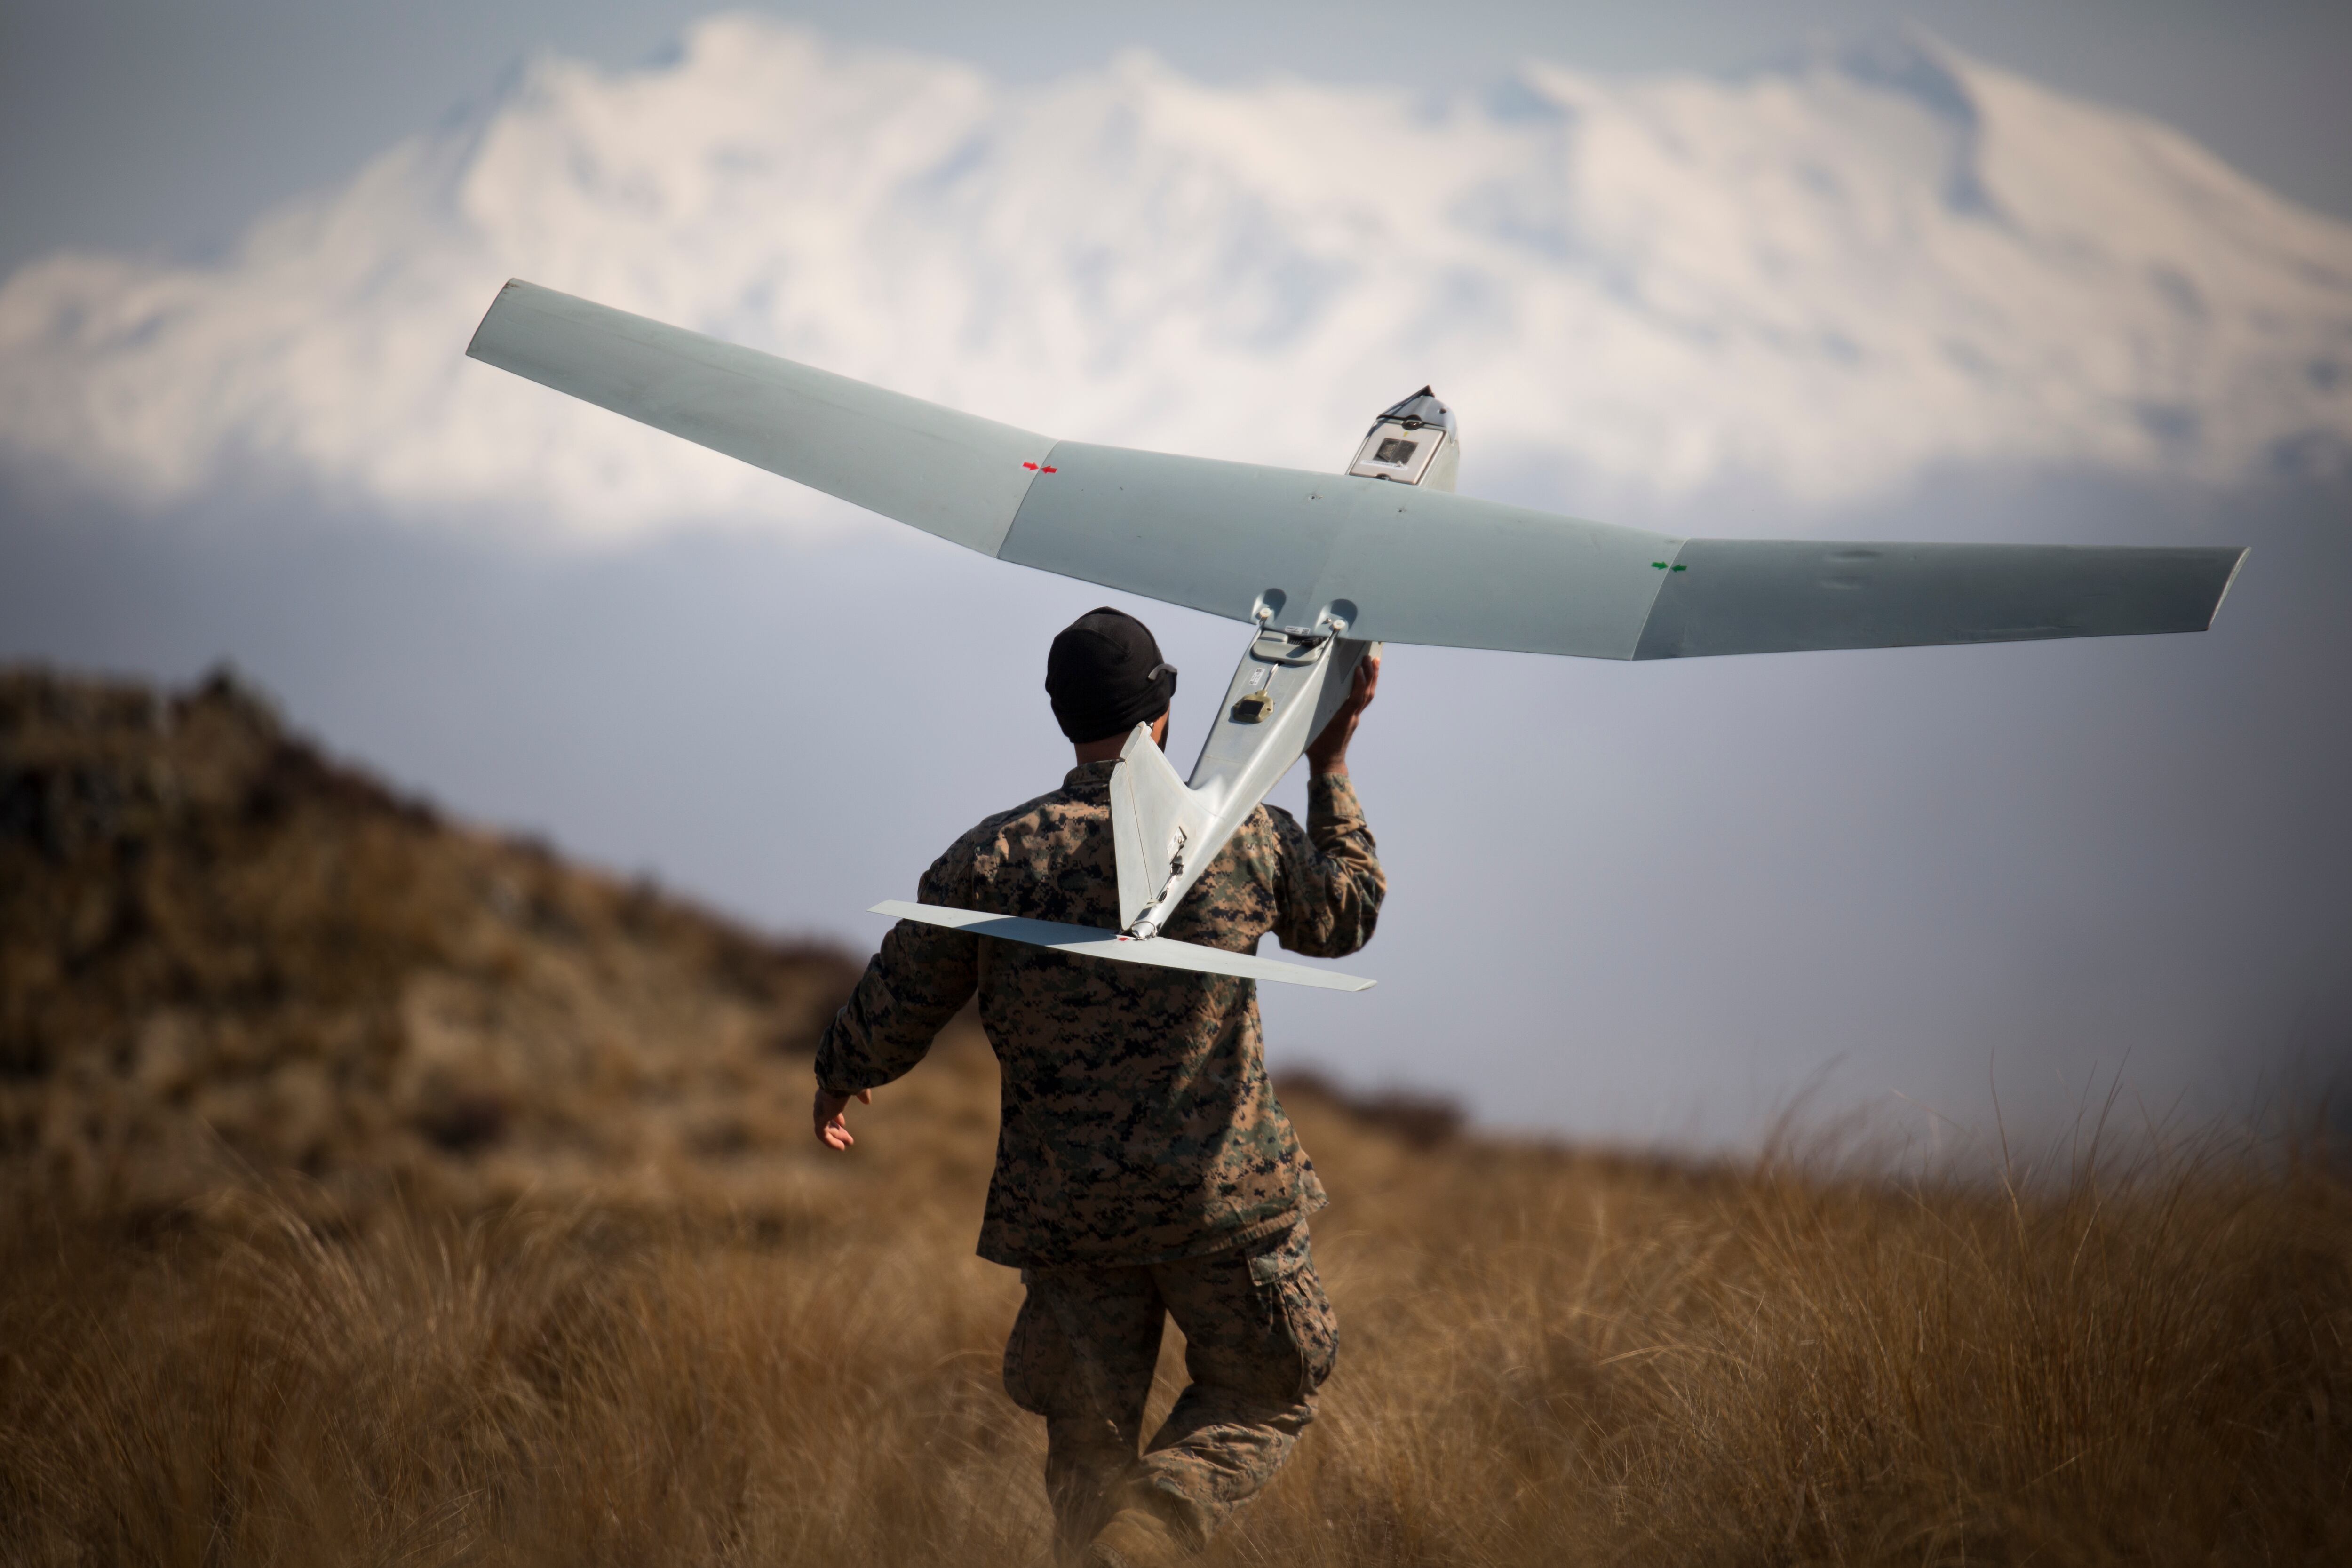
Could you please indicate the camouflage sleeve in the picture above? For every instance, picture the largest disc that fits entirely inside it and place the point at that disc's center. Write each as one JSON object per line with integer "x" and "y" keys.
{"x": 911, "y": 988}
{"x": 1331, "y": 878}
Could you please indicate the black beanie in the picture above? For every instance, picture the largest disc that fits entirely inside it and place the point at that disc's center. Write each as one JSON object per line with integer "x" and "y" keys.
{"x": 1106, "y": 676}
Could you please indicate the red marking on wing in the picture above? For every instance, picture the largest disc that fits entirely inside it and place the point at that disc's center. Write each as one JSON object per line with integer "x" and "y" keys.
{"x": 1031, "y": 466}
{"x": 1051, "y": 470}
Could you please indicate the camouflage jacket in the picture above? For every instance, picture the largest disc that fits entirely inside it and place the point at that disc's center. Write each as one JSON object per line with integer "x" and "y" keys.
{"x": 1137, "y": 1125}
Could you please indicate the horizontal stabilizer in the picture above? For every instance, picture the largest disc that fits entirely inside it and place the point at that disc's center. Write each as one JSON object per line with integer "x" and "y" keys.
{"x": 1093, "y": 941}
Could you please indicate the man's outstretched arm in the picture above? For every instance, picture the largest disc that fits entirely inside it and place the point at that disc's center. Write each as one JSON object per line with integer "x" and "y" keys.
{"x": 911, "y": 988}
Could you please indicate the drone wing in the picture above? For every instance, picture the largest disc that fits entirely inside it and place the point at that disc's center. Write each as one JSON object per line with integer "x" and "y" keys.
{"x": 947, "y": 473}
{"x": 1394, "y": 563}
{"x": 1782, "y": 596}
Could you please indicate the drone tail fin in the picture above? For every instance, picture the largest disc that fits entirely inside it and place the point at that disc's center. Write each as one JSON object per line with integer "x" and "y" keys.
{"x": 1156, "y": 825}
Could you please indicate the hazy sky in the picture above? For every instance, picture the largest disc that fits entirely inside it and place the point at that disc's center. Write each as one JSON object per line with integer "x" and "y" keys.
{"x": 1627, "y": 901}
{"x": 146, "y": 123}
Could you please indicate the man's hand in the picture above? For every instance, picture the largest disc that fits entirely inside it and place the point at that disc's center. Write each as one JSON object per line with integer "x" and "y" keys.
{"x": 1328, "y": 752}
{"x": 831, "y": 1123}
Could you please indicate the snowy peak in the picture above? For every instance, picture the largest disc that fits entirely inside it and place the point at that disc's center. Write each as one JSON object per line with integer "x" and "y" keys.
{"x": 1812, "y": 282}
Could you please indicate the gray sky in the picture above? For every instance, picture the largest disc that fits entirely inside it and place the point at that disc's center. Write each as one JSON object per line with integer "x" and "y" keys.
{"x": 146, "y": 124}
{"x": 1629, "y": 902}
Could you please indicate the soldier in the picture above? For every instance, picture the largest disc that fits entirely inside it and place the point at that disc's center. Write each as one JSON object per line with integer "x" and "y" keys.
{"x": 1144, "y": 1167}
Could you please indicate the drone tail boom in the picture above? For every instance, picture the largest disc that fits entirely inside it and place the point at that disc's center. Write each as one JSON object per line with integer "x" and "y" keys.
{"x": 1093, "y": 941}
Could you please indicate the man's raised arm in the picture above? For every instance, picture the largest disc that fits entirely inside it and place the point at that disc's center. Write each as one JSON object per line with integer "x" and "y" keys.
{"x": 1332, "y": 882}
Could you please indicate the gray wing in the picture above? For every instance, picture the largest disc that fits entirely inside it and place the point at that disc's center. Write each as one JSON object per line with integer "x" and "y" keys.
{"x": 1397, "y": 563}
{"x": 1780, "y": 595}
{"x": 946, "y": 473}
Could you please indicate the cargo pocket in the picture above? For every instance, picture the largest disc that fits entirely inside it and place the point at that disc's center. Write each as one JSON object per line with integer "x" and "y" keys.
{"x": 1298, "y": 1311}
{"x": 1036, "y": 1356}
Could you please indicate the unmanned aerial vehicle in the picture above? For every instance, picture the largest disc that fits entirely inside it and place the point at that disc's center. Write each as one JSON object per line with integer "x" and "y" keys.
{"x": 1321, "y": 567}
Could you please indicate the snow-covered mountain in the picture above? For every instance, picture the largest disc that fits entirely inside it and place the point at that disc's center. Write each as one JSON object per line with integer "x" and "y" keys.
{"x": 1817, "y": 282}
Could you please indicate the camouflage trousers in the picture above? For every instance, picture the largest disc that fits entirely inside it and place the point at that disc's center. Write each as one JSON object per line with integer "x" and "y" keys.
{"x": 1259, "y": 1339}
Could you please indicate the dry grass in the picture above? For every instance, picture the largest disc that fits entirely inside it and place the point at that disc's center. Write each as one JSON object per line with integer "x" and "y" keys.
{"x": 630, "y": 1314}
{"x": 1547, "y": 1359}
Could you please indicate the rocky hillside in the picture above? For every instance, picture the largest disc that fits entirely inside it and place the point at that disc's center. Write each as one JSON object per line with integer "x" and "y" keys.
{"x": 220, "y": 949}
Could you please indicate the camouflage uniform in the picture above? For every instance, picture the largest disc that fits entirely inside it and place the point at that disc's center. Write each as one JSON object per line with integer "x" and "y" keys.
{"x": 1143, "y": 1164}
{"x": 1259, "y": 1339}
